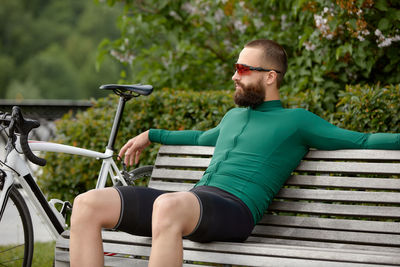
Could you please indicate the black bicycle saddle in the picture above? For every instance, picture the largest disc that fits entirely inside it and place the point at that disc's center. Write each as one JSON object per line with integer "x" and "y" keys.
{"x": 136, "y": 88}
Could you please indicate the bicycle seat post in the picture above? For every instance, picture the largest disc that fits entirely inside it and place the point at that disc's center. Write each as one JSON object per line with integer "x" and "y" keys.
{"x": 125, "y": 93}
{"x": 117, "y": 121}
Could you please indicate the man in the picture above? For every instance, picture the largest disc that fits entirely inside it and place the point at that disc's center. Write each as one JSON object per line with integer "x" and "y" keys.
{"x": 256, "y": 149}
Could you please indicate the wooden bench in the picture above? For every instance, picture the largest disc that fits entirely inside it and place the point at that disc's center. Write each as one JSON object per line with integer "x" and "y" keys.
{"x": 339, "y": 208}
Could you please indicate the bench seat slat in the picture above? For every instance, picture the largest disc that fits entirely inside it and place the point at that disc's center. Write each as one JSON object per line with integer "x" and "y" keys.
{"x": 265, "y": 261}
{"x": 159, "y": 173}
{"x": 339, "y": 196}
{"x": 187, "y": 150}
{"x": 355, "y": 154}
{"x": 332, "y": 224}
{"x": 345, "y": 182}
{"x": 174, "y": 162}
{"x": 317, "y": 244}
{"x": 349, "y": 167}
{"x": 327, "y": 235}
{"x": 170, "y": 186}
{"x": 336, "y": 209}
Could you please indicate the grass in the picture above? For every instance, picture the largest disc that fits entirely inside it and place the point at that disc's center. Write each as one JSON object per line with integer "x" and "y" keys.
{"x": 43, "y": 255}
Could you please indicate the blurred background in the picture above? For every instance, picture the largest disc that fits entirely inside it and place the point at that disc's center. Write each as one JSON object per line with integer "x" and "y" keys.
{"x": 48, "y": 48}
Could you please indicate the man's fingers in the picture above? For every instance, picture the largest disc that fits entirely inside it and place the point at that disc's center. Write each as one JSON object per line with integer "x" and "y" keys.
{"x": 125, "y": 148}
{"x": 137, "y": 156}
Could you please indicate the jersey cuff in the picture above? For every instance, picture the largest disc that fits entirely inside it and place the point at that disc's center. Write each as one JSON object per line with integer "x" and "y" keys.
{"x": 155, "y": 135}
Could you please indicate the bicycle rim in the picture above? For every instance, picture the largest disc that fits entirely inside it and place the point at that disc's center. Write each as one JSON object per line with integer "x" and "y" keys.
{"x": 16, "y": 244}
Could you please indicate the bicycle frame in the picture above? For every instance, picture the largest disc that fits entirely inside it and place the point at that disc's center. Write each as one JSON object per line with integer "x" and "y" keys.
{"x": 48, "y": 213}
{"x": 17, "y": 169}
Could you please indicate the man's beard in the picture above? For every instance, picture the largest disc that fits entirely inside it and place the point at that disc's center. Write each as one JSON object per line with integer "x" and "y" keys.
{"x": 251, "y": 95}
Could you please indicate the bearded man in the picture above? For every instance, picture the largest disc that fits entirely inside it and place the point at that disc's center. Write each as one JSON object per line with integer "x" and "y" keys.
{"x": 257, "y": 146}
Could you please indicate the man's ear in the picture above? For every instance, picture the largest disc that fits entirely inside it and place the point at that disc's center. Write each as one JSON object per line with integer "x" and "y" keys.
{"x": 271, "y": 77}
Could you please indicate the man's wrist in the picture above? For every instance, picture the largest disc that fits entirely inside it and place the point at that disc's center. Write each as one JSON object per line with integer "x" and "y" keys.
{"x": 154, "y": 135}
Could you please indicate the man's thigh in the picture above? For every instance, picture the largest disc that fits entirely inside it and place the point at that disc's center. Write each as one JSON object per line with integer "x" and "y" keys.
{"x": 224, "y": 217}
{"x": 136, "y": 209}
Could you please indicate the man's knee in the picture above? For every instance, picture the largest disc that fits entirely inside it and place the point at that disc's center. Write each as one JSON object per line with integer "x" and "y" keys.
{"x": 85, "y": 208}
{"x": 82, "y": 205}
{"x": 98, "y": 208}
{"x": 167, "y": 205}
{"x": 173, "y": 212}
{"x": 166, "y": 209}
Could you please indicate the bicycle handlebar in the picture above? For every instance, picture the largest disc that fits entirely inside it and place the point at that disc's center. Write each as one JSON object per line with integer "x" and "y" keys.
{"x": 18, "y": 124}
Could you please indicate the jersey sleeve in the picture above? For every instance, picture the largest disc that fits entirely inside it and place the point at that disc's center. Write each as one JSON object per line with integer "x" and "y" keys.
{"x": 186, "y": 137}
{"x": 320, "y": 134}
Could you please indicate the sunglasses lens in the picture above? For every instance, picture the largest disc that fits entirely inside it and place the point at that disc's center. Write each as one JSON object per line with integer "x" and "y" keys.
{"x": 241, "y": 69}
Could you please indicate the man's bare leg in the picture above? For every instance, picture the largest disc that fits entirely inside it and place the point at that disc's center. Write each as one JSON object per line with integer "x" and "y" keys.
{"x": 92, "y": 211}
{"x": 174, "y": 215}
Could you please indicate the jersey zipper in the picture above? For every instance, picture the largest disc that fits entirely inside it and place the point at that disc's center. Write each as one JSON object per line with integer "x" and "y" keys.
{"x": 233, "y": 147}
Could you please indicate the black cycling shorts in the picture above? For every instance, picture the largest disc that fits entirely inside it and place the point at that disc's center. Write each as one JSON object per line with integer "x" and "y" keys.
{"x": 223, "y": 216}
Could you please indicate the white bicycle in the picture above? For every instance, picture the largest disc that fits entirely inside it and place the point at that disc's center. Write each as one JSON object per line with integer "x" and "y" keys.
{"x": 16, "y": 177}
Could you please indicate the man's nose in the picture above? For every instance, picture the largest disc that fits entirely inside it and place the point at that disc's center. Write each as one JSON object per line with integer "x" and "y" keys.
{"x": 236, "y": 76}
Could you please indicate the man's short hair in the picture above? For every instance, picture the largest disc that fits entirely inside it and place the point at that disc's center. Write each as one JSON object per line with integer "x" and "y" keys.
{"x": 275, "y": 56}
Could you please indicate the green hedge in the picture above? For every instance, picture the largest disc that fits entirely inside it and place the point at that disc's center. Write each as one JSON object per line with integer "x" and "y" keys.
{"x": 367, "y": 109}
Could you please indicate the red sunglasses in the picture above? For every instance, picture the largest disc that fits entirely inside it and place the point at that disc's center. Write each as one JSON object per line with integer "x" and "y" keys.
{"x": 243, "y": 69}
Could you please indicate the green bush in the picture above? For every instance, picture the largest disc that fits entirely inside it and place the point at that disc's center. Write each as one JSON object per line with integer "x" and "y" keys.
{"x": 361, "y": 108}
{"x": 369, "y": 108}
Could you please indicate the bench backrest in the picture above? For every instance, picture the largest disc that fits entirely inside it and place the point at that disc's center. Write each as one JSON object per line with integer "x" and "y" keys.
{"x": 342, "y": 198}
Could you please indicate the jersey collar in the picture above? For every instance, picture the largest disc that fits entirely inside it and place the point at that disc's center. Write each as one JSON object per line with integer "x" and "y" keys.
{"x": 269, "y": 105}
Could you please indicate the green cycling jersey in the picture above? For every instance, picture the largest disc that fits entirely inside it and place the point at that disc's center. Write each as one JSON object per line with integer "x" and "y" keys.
{"x": 256, "y": 149}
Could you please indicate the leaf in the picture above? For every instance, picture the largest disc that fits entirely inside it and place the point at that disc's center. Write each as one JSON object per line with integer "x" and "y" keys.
{"x": 381, "y": 5}
{"x": 383, "y": 24}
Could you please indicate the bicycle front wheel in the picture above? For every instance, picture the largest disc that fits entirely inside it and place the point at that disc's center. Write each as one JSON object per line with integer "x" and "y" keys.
{"x": 16, "y": 242}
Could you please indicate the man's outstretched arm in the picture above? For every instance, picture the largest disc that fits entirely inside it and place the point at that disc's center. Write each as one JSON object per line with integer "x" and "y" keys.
{"x": 320, "y": 134}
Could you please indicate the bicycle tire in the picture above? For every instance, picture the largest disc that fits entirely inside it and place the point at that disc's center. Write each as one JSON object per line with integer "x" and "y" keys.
{"x": 13, "y": 254}
{"x": 143, "y": 172}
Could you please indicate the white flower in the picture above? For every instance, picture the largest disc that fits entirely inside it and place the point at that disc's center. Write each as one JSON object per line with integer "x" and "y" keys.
{"x": 189, "y": 8}
{"x": 309, "y": 46}
{"x": 240, "y": 26}
{"x": 122, "y": 57}
{"x": 219, "y": 15}
{"x": 258, "y": 23}
{"x": 378, "y": 33}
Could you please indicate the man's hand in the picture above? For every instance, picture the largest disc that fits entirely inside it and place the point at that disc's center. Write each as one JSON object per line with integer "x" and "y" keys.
{"x": 133, "y": 148}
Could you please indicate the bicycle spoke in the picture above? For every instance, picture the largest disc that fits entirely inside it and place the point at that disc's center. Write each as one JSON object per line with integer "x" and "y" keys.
{"x": 11, "y": 248}
{"x": 13, "y": 260}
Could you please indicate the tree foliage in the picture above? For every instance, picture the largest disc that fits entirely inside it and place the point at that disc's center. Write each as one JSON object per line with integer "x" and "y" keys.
{"x": 193, "y": 44}
{"x": 48, "y": 48}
